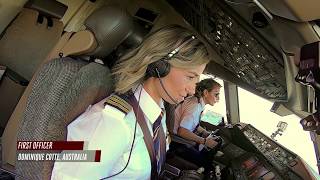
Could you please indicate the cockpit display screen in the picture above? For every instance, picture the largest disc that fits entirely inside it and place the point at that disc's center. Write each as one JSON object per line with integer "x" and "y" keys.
{"x": 258, "y": 172}
{"x": 250, "y": 163}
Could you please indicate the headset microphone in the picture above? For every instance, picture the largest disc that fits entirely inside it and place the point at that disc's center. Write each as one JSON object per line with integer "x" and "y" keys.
{"x": 165, "y": 90}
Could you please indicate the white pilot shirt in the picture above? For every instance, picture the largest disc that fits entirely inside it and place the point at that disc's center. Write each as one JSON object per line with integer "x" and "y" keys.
{"x": 109, "y": 130}
{"x": 187, "y": 114}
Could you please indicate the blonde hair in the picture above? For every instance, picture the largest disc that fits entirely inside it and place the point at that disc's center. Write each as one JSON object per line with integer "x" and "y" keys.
{"x": 130, "y": 70}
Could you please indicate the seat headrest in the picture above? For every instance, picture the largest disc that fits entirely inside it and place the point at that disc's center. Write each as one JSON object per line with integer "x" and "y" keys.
{"x": 132, "y": 41}
{"x": 136, "y": 37}
{"x": 82, "y": 42}
{"x": 111, "y": 26}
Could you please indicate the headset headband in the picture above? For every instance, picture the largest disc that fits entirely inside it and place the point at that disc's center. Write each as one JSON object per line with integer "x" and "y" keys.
{"x": 176, "y": 50}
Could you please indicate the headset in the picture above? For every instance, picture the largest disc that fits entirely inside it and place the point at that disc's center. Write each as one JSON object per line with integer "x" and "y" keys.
{"x": 161, "y": 68}
{"x": 158, "y": 69}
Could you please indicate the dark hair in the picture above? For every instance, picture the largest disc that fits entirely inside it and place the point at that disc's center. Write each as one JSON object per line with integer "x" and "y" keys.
{"x": 205, "y": 84}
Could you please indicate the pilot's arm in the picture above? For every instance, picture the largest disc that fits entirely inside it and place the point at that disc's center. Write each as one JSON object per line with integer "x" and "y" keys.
{"x": 187, "y": 134}
{"x": 104, "y": 130}
{"x": 189, "y": 123}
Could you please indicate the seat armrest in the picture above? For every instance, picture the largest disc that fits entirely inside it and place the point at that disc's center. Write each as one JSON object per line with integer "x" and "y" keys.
{"x": 178, "y": 139}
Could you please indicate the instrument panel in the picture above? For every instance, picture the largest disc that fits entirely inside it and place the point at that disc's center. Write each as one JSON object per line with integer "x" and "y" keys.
{"x": 286, "y": 163}
{"x": 275, "y": 154}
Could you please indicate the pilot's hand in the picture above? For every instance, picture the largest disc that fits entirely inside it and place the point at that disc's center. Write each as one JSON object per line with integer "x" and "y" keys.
{"x": 211, "y": 142}
{"x": 206, "y": 133}
{"x": 228, "y": 126}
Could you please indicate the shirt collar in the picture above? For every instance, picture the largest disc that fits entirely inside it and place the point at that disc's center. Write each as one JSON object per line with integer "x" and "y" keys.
{"x": 148, "y": 106}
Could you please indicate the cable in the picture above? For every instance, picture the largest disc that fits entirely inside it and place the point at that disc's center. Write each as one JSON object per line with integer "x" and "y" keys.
{"x": 134, "y": 137}
{"x": 172, "y": 99}
{"x": 12, "y": 173}
{"x": 238, "y": 3}
{"x": 263, "y": 9}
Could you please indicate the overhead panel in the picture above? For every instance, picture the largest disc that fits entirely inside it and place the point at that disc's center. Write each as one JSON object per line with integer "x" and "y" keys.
{"x": 245, "y": 53}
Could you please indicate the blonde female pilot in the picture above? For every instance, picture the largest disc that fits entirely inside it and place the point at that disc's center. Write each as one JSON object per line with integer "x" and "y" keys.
{"x": 165, "y": 67}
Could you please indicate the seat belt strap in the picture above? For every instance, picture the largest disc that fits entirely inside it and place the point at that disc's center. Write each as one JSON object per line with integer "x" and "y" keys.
{"x": 146, "y": 132}
{"x": 146, "y": 135}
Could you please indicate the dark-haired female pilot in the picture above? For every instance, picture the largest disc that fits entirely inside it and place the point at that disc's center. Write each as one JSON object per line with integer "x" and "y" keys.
{"x": 187, "y": 123}
{"x": 124, "y": 154}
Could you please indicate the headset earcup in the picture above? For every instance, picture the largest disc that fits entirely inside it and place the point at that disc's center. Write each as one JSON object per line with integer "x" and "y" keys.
{"x": 162, "y": 66}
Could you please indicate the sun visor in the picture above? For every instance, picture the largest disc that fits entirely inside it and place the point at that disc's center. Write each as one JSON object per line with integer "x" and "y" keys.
{"x": 296, "y": 10}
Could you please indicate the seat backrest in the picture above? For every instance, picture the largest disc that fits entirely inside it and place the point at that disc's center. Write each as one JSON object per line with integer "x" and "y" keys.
{"x": 24, "y": 45}
{"x": 62, "y": 90}
{"x": 65, "y": 87}
{"x": 9, "y": 137}
{"x": 173, "y": 158}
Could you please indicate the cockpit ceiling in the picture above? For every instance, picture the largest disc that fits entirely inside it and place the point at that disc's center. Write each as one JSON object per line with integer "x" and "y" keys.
{"x": 250, "y": 58}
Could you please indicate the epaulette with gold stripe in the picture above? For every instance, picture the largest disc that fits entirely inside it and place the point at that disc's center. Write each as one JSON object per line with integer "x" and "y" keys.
{"x": 119, "y": 103}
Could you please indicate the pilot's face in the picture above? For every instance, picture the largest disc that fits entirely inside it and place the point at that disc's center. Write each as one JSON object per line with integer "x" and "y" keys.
{"x": 180, "y": 83}
{"x": 212, "y": 97}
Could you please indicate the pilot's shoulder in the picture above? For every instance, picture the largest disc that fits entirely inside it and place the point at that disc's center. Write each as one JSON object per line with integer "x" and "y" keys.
{"x": 117, "y": 102}
{"x": 190, "y": 102}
